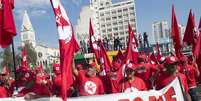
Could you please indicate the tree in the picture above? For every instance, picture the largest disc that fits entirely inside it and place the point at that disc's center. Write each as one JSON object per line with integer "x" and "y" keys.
{"x": 31, "y": 54}
{"x": 7, "y": 58}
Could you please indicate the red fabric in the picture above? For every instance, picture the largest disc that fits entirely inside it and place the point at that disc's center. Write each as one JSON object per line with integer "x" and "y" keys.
{"x": 145, "y": 73}
{"x": 198, "y": 43}
{"x": 132, "y": 47}
{"x": 67, "y": 44}
{"x": 137, "y": 84}
{"x": 189, "y": 32}
{"x": 163, "y": 80}
{"x": 4, "y": 92}
{"x": 176, "y": 35}
{"x": 89, "y": 85}
{"x": 105, "y": 59}
{"x": 24, "y": 62}
{"x": 120, "y": 55}
{"x": 183, "y": 81}
{"x": 93, "y": 42}
{"x": 7, "y": 24}
{"x": 190, "y": 73}
{"x": 57, "y": 85}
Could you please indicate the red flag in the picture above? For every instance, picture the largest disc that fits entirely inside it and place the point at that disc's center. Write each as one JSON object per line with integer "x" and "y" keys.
{"x": 176, "y": 35}
{"x": 105, "y": 59}
{"x": 189, "y": 32}
{"x": 120, "y": 56}
{"x": 24, "y": 62}
{"x": 197, "y": 49}
{"x": 67, "y": 44}
{"x": 93, "y": 42}
{"x": 132, "y": 47}
{"x": 152, "y": 58}
{"x": 7, "y": 24}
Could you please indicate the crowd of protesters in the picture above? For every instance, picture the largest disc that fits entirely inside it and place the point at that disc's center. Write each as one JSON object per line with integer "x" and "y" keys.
{"x": 88, "y": 80}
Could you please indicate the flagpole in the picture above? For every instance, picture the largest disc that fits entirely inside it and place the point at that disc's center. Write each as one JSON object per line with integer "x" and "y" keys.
{"x": 14, "y": 65}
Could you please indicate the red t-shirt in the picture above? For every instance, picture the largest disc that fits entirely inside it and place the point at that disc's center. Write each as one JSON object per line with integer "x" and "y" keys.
{"x": 3, "y": 92}
{"x": 136, "y": 85}
{"x": 164, "y": 80}
{"x": 190, "y": 73}
{"x": 89, "y": 85}
{"x": 184, "y": 82}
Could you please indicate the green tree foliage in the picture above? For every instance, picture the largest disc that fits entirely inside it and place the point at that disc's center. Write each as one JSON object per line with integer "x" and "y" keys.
{"x": 31, "y": 54}
{"x": 7, "y": 58}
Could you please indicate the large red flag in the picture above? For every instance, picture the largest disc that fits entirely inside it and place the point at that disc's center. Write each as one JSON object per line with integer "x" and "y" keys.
{"x": 189, "y": 32}
{"x": 176, "y": 35}
{"x": 132, "y": 46}
{"x": 105, "y": 59}
{"x": 67, "y": 43}
{"x": 120, "y": 56}
{"x": 93, "y": 42}
{"x": 7, "y": 24}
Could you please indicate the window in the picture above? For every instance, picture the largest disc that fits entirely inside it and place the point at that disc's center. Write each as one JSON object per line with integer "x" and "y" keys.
{"x": 25, "y": 36}
{"x": 131, "y": 8}
{"x": 108, "y": 19}
{"x": 119, "y": 16}
{"x": 119, "y": 10}
{"x": 125, "y": 9}
{"x": 114, "y": 18}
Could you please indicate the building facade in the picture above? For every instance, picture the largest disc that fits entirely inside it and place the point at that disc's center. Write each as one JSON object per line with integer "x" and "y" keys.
{"x": 110, "y": 20}
{"x": 161, "y": 34}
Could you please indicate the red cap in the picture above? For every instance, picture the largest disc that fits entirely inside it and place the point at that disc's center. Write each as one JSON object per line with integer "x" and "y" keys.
{"x": 56, "y": 68}
{"x": 171, "y": 60}
{"x": 131, "y": 66}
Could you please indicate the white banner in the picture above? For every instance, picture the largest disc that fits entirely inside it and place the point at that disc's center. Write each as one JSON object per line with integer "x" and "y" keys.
{"x": 172, "y": 92}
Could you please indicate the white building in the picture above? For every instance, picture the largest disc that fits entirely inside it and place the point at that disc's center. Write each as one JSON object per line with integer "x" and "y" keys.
{"x": 27, "y": 31}
{"x": 160, "y": 34}
{"x": 182, "y": 29}
{"x": 109, "y": 19}
{"x": 45, "y": 55}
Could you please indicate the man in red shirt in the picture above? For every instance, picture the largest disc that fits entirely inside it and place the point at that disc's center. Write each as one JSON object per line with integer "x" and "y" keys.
{"x": 145, "y": 71}
{"x": 89, "y": 84}
{"x": 170, "y": 73}
{"x": 131, "y": 83}
{"x": 191, "y": 71}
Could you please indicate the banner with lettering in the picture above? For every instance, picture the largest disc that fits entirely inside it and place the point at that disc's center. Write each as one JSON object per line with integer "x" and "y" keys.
{"x": 172, "y": 92}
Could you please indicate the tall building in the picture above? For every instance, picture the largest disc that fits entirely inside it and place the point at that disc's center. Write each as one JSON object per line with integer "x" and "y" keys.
{"x": 160, "y": 34}
{"x": 182, "y": 29}
{"x": 27, "y": 31}
{"x": 109, "y": 19}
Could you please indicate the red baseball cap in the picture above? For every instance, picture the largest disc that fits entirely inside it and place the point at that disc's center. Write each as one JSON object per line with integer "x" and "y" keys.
{"x": 171, "y": 60}
{"x": 131, "y": 66}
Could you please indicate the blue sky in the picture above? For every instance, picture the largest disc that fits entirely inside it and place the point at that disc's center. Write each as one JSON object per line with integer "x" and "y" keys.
{"x": 148, "y": 11}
